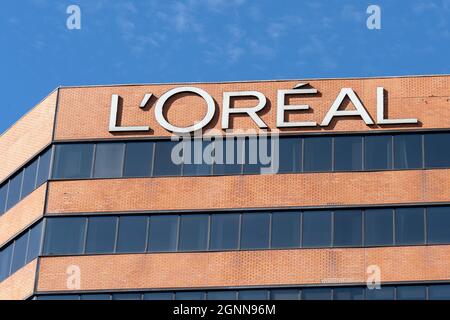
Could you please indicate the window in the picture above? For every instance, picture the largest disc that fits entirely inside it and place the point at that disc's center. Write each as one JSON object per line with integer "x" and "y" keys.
{"x": 29, "y": 179}
{"x": 253, "y": 295}
{"x": 3, "y": 193}
{"x": 44, "y": 167}
{"x": 439, "y": 292}
{"x": 95, "y": 296}
{"x": 437, "y": 150}
{"x": 378, "y": 227}
{"x": 409, "y": 226}
{"x": 101, "y": 234}
{"x": 290, "y": 154}
{"x": 438, "y": 222}
{"x": 164, "y": 164}
{"x": 384, "y": 293}
{"x": 317, "y": 154}
{"x": 60, "y": 297}
{"x": 229, "y": 156}
{"x": 158, "y": 296}
{"x": 138, "y": 159}
{"x": 316, "y": 229}
{"x": 258, "y": 155}
{"x": 348, "y": 153}
{"x": 126, "y": 296}
{"x": 34, "y": 244}
{"x": 190, "y": 295}
{"x": 221, "y": 295}
{"x": 20, "y": 252}
{"x": 193, "y": 232}
{"x": 316, "y": 294}
{"x": 14, "y": 190}
{"x": 64, "y": 235}
{"x": 197, "y": 161}
{"x": 284, "y": 294}
{"x": 285, "y": 230}
{"x": 378, "y": 152}
{"x": 348, "y": 293}
{"x": 255, "y": 230}
{"x": 408, "y": 151}
{"x": 73, "y": 161}
{"x": 5, "y": 261}
{"x": 411, "y": 293}
{"x": 108, "y": 160}
{"x": 224, "y": 231}
{"x": 132, "y": 234}
{"x": 163, "y": 233}
{"x": 347, "y": 228}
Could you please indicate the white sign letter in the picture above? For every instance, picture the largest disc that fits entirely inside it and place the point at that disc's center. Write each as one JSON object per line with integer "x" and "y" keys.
{"x": 113, "y": 127}
{"x": 380, "y": 111}
{"x": 250, "y": 111}
{"x": 282, "y": 107}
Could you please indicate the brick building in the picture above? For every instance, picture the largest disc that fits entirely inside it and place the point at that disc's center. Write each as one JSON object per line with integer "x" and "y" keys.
{"x": 92, "y": 207}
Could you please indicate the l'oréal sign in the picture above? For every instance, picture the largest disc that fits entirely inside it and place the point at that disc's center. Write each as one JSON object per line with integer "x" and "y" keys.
{"x": 334, "y": 111}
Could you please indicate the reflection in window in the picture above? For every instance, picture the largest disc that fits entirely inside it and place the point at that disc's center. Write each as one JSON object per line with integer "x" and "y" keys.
{"x": 409, "y": 226}
{"x": 284, "y": 294}
{"x": 378, "y": 152}
{"x": 229, "y": 156}
{"x": 290, "y": 154}
{"x": 317, "y": 154}
{"x": 437, "y": 150}
{"x": 165, "y": 165}
{"x": 20, "y": 252}
{"x": 163, "y": 233}
{"x": 253, "y": 295}
{"x": 411, "y": 293}
{"x": 222, "y": 295}
{"x": 316, "y": 229}
{"x": 3, "y": 192}
{"x": 384, "y": 293}
{"x": 190, "y": 295}
{"x": 158, "y": 296}
{"x": 408, "y": 151}
{"x": 14, "y": 190}
{"x": 5, "y": 261}
{"x": 34, "y": 244}
{"x": 255, "y": 230}
{"x": 132, "y": 234}
{"x": 108, "y": 160}
{"x": 348, "y": 153}
{"x": 347, "y": 228}
{"x": 348, "y": 293}
{"x": 316, "y": 294}
{"x": 438, "y": 224}
{"x": 126, "y": 296}
{"x": 95, "y": 296}
{"x": 44, "y": 167}
{"x": 138, "y": 159}
{"x": 285, "y": 230}
{"x": 439, "y": 292}
{"x": 197, "y": 160}
{"x": 224, "y": 231}
{"x": 193, "y": 232}
{"x": 73, "y": 161}
{"x": 378, "y": 227}
{"x": 29, "y": 178}
{"x": 64, "y": 236}
{"x": 101, "y": 234}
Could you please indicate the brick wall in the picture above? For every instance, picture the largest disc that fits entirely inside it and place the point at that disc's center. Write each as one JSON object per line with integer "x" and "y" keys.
{"x": 20, "y": 285}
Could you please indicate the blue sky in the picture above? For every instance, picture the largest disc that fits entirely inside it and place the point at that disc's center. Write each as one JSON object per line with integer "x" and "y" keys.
{"x": 145, "y": 41}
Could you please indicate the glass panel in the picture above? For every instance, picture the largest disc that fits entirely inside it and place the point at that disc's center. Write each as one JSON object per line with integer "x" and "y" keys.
{"x": 437, "y": 150}
{"x": 190, "y": 295}
{"x": 3, "y": 193}
{"x": 73, "y": 161}
{"x": 290, "y": 154}
{"x": 29, "y": 179}
{"x": 193, "y": 232}
{"x": 229, "y": 156}
{"x": 194, "y": 160}
{"x": 378, "y": 152}
{"x": 64, "y": 235}
{"x": 348, "y": 293}
{"x": 132, "y": 234}
{"x": 284, "y": 294}
{"x": 439, "y": 292}
{"x": 95, "y": 296}
{"x": 164, "y": 165}
{"x": 221, "y": 295}
{"x": 258, "y": 155}
{"x": 126, "y": 296}
{"x": 60, "y": 297}
{"x": 438, "y": 223}
{"x": 14, "y": 191}
{"x": 409, "y": 226}
{"x": 101, "y": 234}
{"x": 108, "y": 160}
{"x": 253, "y": 295}
{"x": 378, "y": 227}
{"x": 347, "y": 228}
{"x": 138, "y": 159}
{"x": 224, "y": 231}
{"x": 158, "y": 296}
{"x": 255, "y": 230}
{"x": 44, "y": 167}
{"x": 20, "y": 252}
{"x": 163, "y": 233}
{"x": 5, "y": 262}
{"x": 285, "y": 230}
{"x": 317, "y": 154}
{"x": 408, "y": 151}
{"x": 316, "y": 229}
{"x": 411, "y": 293}
{"x": 348, "y": 153}
{"x": 316, "y": 294}
{"x": 384, "y": 293}
{"x": 34, "y": 245}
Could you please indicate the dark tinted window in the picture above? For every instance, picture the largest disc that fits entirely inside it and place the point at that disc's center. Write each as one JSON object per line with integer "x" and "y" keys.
{"x": 221, "y": 295}
{"x": 258, "y": 155}
{"x": 290, "y": 154}
{"x": 438, "y": 223}
{"x": 108, "y": 160}
{"x": 439, "y": 292}
{"x": 60, "y": 297}
{"x": 20, "y": 252}
{"x": 316, "y": 294}
{"x": 164, "y": 164}
{"x": 349, "y": 293}
{"x": 408, "y": 151}
{"x": 73, "y": 161}
{"x": 95, "y": 296}
{"x": 316, "y": 229}
{"x": 253, "y": 295}
{"x": 437, "y": 150}
{"x": 347, "y": 153}
{"x": 409, "y": 226}
{"x": 378, "y": 227}
{"x": 34, "y": 244}
{"x": 101, "y": 234}
{"x": 3, "y": 192}
{"x": 285, "y": 230}
{"x": 158, "y": 296}
{"x": 126, "y": 296}
{"x": 317, "y": 154}
{"x": 224, "y": 231}
{"x": 197, "y": 160}
{"x": 44, "y": 167}
{"x": 347, "y": 228}
{"x": 411, "y": 293}
{"x": 229, "y": 156}
{"x": 284, "y": 294}
{"x": 64, "y": 235}
{"x": 190, "y": 295}
{"x": 29, "y": 178}
{"x": 5, "y": 261}
{"x": 255, "y": 230}
{"x": 384, "y": 293}
{"x": 193, "y": 232}
{"x": 14, "y": 190}
{"x": 132, "y": 234}
{"x": 138, "y": 159}
{"x": 378, "y": 152}
{"x": 163, "y": 233}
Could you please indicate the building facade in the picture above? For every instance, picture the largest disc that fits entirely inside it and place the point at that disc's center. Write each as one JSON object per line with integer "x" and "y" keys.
{"x": 94, "y": 204}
